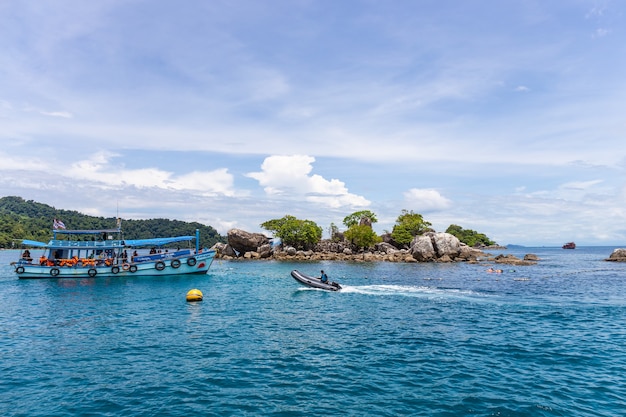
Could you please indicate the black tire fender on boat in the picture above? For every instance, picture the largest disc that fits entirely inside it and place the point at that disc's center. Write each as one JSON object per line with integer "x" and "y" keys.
{"x": 19, "y": 269}
{"x": 133, "y": 268}
{"x": 115, "y": 269}
{"x": 159, "y": 266}
{"x": 92, "y": 272}
{"x": 54, "y": 272}
{"x": 175, "y": 263}
{"x": 191, "y": 261}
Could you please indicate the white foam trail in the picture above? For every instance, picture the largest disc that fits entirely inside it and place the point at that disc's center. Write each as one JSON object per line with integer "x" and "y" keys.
{"x": 410, "y": 291}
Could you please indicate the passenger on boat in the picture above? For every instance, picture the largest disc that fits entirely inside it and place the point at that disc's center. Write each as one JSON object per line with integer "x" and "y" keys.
{"x": 26, "y": 255}
{"x": 324, "y": 277}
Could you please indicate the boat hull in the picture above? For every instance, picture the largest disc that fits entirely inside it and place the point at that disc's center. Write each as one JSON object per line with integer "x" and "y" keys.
{"x": 314, "y": 282}
{"x": 193, "y": 264}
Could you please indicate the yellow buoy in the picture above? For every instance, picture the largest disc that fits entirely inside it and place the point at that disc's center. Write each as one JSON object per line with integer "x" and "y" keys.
{"x": 194, "y": 295}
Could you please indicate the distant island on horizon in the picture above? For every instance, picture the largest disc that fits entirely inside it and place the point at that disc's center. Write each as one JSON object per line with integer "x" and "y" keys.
{"x": 560, "y": 246}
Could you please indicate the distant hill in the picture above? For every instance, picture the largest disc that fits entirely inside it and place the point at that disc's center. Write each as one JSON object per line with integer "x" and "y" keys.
{"x": 21, "y": 219}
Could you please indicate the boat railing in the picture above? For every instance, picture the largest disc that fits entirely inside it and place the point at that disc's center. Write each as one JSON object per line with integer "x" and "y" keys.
{"x": 104, "y": 244}
{"x": 162, "y": 255}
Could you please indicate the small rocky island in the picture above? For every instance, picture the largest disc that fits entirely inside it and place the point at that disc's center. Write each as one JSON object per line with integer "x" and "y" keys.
{"x": 618, "y": 255}
{"x": 428, "y": 247}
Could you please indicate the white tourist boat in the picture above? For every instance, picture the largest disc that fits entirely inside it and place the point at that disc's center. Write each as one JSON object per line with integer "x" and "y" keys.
{"x": 104, "y": 253}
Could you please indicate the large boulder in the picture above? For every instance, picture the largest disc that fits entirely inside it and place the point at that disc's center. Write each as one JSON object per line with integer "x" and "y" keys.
{"x": 224, "y": 249}
{"x": 618, "y": 255}
{"x": 433, "y": 246}
{"x": 446, "y": 245}
{"x": 422, "y": 249}
{"x": 470, "y": 254}
{"x": 387, "y": 248}
{"x": 265, "y": 251}
{"x": 242, "y": 241}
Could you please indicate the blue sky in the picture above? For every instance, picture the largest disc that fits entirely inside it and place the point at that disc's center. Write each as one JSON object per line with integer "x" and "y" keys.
{"x": 505, "y": 117}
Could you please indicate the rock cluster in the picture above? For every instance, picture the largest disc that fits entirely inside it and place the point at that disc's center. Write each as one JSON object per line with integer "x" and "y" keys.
{"x": 529, "y": 259}
{"x": 429, "y": 247}
{"x": 618, "y": 255}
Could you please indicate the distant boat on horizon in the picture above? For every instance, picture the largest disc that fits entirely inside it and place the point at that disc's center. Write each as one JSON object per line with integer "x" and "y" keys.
{"x": 569, "y": 245}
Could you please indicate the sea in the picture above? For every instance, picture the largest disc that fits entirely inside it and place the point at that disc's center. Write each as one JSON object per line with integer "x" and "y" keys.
{"x": 400, "y": 339}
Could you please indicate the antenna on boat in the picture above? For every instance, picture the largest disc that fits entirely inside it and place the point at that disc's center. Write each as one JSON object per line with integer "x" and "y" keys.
{"x": 118, "y": 220}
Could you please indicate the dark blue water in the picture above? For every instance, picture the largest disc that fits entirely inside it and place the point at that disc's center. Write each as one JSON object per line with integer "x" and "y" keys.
{"x": 400, "y": 339}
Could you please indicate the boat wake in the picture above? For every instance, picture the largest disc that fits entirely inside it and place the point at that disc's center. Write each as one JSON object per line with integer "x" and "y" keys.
{"x": 411, "y": 291}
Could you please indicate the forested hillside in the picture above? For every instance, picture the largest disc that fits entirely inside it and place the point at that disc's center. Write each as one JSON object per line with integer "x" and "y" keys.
{"x": 21, "y": 219}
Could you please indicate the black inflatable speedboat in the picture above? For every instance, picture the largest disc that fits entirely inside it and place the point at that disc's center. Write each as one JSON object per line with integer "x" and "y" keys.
{"x": 314, "y": 282}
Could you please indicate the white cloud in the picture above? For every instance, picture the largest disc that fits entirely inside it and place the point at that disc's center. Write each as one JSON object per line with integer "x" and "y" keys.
{"x": 21, "y": 162}
{"x": 51, "y": 113}
{"x": 599, "y": 33}
{"x": 281, "y": 173}
{"x": 289, "y": 174}
{"x": 426, "y": 200}
{"x": 580, "y": 185}
{"x": 63, "y": 114}
{"x": 98, "y": 170}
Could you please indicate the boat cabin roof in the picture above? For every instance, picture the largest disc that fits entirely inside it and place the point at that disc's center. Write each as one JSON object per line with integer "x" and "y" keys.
{"x": 106, "y": 244}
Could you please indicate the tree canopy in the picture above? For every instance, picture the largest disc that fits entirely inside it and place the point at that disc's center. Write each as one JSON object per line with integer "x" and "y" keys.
{"x": 358, "y": 216}
{"x": 469, "y": 236}
{"x": 360, "y": 232}
{"x": 301, "y": 234}
{"x": 408, "y": 225}
{"x": 362, "y": 236}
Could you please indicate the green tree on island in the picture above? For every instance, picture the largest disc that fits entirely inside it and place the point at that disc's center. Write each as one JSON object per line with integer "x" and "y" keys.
{"x": 335, "y": 234}
{"x": 360, "y": 217}
{"x": 360, "y": 232}
{"x": 408, "y": 225}
{"x": 469, "y": 236}
{"x": 301, "y": 234}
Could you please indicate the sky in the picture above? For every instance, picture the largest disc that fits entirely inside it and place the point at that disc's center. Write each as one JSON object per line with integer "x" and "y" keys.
{"x": 504, "y": 117}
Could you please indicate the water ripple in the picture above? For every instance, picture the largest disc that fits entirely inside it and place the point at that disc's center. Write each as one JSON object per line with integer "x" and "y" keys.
{"x": 419, "y": 340}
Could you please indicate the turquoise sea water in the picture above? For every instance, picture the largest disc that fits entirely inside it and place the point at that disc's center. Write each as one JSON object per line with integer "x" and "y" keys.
{"x": 399, "y": 340}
